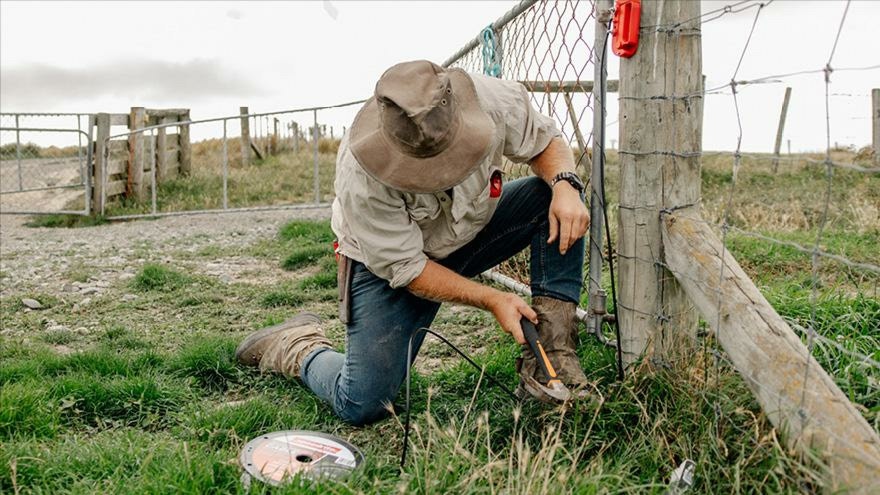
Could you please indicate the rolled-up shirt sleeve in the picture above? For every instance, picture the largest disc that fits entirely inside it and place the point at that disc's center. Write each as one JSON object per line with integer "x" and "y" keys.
{"x": 527, "y": 132}
{"x": 390, "y": 242}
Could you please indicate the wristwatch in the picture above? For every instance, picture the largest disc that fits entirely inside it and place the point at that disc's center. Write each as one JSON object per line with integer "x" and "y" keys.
{"x": 570, "y": 177}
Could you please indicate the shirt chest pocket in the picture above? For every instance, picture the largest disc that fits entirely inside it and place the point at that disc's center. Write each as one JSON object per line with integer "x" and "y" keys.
{"x": 423, "y": 208}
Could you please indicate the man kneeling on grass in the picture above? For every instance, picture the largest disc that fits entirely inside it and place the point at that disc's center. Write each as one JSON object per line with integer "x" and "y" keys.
{"x": 420, "y": 209}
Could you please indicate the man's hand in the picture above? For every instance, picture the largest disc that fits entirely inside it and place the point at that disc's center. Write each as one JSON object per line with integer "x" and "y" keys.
{"x": 568, "y": 216}
{"x": 438, "y": 283}
{"x": 508, "y": 310}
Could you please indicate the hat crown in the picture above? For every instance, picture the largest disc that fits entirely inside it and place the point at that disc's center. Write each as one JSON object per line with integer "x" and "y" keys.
{"x": 417, "y": 108}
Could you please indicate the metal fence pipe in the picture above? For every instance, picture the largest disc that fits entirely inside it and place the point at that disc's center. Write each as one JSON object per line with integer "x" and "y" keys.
{"x": 18, "y": 151}
{"x": 496, "y": 26}
{"x": 153, "y": 185}
{"x": 225, "y": 169}
{"x": 79, "y": 144}
{"x": 315, "y": 139}
{"x": 597, "y": 195}
{"x": 90, "y": 163}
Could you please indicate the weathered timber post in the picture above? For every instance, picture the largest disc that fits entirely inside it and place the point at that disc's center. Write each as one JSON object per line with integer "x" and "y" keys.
{"x": 184, "y": 167}
{"x": 660, "y": 141}
{"x": 295, "y": 137}
{"x": 875, "y": 123}
{"x": 780, "y": 129}
{"x": 245, "y": 137}
{"x": 794, "y": 391}
{"x": 137, "y": 119}
{"x": 102, "y": 123}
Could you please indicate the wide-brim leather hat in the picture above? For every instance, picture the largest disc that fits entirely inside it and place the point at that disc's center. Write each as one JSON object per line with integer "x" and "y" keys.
{"x": 423, "y": 130}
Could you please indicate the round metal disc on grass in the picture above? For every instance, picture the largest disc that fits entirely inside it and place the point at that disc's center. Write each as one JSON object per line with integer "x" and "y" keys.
{"x": 275, "y": 458}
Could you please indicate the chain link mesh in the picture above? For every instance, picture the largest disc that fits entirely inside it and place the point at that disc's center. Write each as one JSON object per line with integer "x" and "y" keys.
{"x": 546, "y": 48}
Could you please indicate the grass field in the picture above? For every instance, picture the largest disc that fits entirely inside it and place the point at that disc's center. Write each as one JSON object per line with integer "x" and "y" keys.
{"x": 154, "y": 402}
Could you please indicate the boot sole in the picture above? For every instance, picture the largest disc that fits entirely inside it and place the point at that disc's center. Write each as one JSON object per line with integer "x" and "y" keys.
{"x": 296, "y": 321}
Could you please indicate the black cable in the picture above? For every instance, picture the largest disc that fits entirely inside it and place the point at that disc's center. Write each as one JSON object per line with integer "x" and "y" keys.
{"x": 409, "y": 380}
{"x": 601, "y": 144}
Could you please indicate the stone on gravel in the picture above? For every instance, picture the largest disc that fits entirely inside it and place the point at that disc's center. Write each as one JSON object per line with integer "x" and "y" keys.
{"x": 31, "y": 303}
{"x": 89, "y": 290}
{"x": 70, "y": 288}
{"x": 129, "y": 297}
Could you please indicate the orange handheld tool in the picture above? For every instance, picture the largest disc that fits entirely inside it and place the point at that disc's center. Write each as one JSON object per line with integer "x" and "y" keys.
{"x": 531, "y": 335}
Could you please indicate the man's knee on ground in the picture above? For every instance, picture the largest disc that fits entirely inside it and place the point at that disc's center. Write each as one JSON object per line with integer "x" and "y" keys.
{"x": 366, "y": 413}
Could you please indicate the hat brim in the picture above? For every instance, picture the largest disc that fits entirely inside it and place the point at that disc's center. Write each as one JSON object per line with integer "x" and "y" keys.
{"x": 387, "y": 164}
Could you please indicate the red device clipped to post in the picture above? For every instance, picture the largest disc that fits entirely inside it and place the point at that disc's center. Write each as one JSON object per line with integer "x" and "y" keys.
{"x": 626, "y": 27}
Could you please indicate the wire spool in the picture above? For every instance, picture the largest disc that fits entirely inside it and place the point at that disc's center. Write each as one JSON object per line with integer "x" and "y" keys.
{"x": 276, "y": 458}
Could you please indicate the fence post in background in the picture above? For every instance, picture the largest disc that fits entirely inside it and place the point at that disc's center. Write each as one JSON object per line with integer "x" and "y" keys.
{"x": 316, "y": 139}
{"x": 102, "y": 122}
{"x": 161, "y": 146}
{"x": 274, "y": 141}
{"x": 225, "y": 169}
{"x": 154, "y": 184}
{"x": 18, "y": 152}
{"x": 780, "y": 129}
{"x": 597, "y": 200}
{"x": 185, "y": 144}
{"x": 245, "y": 137}
{"x": 875, "y": 123}
{"x": 137, "y": 119}
{"x": 660, "y": 144}
{"x": 295, "y": 137}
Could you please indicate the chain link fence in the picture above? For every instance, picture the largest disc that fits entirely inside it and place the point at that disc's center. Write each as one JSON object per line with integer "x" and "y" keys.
{"x": 546, "y": 46}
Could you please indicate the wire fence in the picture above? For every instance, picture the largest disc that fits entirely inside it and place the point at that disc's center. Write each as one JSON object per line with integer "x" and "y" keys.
{"x": 807, "y": 234}
{"x": 547, "y": 47}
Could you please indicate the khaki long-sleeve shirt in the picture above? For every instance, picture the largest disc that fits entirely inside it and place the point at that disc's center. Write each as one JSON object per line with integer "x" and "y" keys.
{"x": 394, "y": 233}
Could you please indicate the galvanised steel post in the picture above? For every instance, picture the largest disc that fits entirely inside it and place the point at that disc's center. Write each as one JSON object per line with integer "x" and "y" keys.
{"x": 79, "y": 156}
{"x": 315, "y": 139}
{"x": 153, "y": 167}
{"x": 225, "y": 170}
{"x": 18, "y": 152}
{"x": 90, "y": 163}
{"x": 597, "y": 198}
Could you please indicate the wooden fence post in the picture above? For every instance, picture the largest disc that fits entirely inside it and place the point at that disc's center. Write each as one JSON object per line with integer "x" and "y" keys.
{"x": 137, "y": 152}
{"x": 660, "y": 143}
{"x": 875, "y": 123}
{"x": 295, "y": 137}
{"x": 794, "y": 391}
{"x": 102, "y": 123}
{"x": 245, "y": 138}
{"x": 185, "y": 145}
{"x": 780, "y": 129}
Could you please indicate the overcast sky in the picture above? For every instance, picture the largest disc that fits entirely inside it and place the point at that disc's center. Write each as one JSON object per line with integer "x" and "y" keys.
{"x": 213, "y": 57}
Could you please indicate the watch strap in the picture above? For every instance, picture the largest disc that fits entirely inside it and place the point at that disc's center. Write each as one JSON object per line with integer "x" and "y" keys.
{"x": 570, "y": 177}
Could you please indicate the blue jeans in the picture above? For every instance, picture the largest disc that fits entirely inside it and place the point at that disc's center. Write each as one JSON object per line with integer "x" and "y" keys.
{"x": 364, "y": 381}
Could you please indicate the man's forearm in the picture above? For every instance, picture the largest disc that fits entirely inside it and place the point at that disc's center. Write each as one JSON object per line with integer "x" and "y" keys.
{"x": 555, "y": 158}
{"x": 438, "y": 283}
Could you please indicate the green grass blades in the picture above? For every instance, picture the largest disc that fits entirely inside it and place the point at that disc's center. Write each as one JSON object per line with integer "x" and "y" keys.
{"x": 153, "y": 277}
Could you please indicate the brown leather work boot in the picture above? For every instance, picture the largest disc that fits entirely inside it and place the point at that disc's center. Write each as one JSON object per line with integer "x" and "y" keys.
{"x": 282, "y": 348}
{"x": 557, "y": 329}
